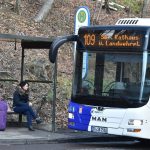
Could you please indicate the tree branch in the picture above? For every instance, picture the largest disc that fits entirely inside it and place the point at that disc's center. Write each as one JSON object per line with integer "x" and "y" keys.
{"x": 42, "y": 14}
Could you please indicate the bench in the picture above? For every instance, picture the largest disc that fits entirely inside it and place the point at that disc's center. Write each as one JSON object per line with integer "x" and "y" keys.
{"x": 19, "y": 116}
{"x": 11, "y": 112}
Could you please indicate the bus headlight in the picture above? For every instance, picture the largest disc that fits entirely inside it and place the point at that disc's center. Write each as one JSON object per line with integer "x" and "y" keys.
{"x": 71, "y": 116}
{"x": 135, "y": 122}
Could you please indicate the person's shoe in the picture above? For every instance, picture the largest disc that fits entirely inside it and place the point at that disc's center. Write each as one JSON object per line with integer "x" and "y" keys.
{"x": 31, "y": 128}
{"x": 38, "y": 120}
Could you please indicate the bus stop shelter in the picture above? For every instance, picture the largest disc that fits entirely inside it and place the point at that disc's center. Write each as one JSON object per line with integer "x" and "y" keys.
{"x": 27, "y": 43}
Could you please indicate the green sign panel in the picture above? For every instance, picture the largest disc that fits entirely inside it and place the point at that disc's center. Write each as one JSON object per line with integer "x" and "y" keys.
{"x": 81, "y": 16}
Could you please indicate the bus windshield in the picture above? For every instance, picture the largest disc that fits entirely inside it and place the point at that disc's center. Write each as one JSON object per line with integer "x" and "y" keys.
{"x": 111, "y": 79}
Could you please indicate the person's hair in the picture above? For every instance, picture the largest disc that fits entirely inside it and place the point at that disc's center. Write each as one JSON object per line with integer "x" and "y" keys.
{"x": 23, "y": 83}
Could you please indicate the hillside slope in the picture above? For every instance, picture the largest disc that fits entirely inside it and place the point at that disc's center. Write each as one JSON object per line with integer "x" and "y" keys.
{"x": 60, "y": 21}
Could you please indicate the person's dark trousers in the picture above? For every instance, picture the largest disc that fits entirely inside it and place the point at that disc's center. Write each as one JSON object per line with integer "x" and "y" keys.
{"x": 26, "y": 110}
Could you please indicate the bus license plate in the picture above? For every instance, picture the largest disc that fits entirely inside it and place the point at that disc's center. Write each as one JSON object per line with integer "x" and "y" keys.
{"x": 99, "y": 129}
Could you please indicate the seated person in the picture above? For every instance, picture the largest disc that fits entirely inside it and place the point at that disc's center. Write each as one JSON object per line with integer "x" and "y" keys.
{"x": 22, "y": 105}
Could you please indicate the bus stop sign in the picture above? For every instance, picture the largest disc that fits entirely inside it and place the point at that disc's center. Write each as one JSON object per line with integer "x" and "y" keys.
{"x": 82, "y": 18}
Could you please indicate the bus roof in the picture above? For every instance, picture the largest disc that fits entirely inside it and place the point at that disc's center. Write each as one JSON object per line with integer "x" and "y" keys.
{"x": 134, "y": 21}
{"x": 113, "y": 27}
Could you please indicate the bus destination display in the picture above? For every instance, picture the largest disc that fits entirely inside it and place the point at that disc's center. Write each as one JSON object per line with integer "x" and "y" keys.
{"x": 112, "y": 39}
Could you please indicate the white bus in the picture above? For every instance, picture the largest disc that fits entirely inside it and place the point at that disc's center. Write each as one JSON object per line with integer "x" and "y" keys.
{"x": 113, "y": 96}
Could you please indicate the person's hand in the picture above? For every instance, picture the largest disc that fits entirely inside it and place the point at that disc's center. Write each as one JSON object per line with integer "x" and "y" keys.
{"x": 30, "y": 104}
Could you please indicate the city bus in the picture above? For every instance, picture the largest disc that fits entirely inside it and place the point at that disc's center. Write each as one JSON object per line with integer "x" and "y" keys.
{"x": 113, "y": 96}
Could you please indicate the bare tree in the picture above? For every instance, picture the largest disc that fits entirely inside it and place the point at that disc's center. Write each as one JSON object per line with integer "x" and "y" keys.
{"x": 146, "y": 6}
{"x": 17, "y": 6}
{"x": 42, "y": 14}
{"x": 96, "y": 18}
{"x": 107, "y": 6}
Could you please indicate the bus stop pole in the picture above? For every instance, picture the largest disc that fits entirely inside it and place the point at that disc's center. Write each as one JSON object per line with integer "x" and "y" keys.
{"x": 54, "y": 96}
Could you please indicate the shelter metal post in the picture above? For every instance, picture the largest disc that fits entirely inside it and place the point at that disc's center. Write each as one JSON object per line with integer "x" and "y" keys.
{"x": 54, "y": 97}
{"x": 22, "y": 64}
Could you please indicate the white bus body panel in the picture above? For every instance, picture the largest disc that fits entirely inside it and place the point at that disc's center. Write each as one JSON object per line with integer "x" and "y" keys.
{"x": 142, "y": 113}
{"x": 116, "y": 120}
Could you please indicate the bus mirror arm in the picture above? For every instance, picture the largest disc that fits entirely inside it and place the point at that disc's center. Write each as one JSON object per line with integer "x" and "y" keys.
{"x": 60, "y": 41}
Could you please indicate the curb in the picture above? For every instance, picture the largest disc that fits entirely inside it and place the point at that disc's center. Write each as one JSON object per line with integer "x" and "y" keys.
{"x": 64, "y": 140}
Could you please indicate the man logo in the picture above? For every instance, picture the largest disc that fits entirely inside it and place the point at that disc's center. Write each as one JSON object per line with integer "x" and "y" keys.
{"x": 101, "y": 119}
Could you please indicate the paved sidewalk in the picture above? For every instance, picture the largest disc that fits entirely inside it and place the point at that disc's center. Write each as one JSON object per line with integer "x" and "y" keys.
{"x": 16, "y": 135}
